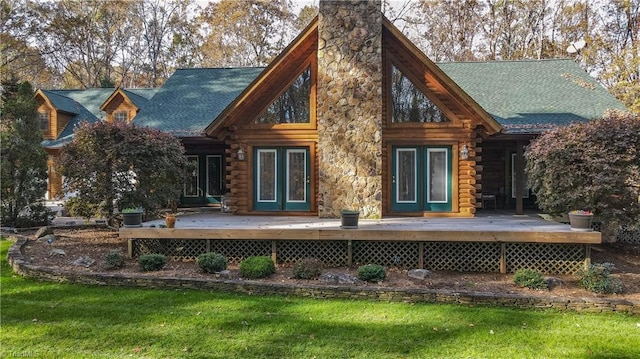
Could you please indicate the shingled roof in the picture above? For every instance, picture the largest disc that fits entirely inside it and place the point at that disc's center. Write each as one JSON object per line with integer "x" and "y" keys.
{"x": 83, "y": 104}
{"x": 192, "y": 98}
{"x": 531, "y": 96}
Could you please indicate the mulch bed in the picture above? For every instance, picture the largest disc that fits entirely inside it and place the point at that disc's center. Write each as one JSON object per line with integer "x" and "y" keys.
{"x": 94, "y": 244}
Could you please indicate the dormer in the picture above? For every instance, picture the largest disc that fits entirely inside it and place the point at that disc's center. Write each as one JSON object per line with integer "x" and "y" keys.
{"x": 54, "y": 113}
{"x": 123, "y": 105}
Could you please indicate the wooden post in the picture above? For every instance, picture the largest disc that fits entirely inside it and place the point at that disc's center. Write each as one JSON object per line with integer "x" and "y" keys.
{"x": 274, "y": 254}
{"x": 130, "y": 247}
{"x": 587, "y": 256}
{"x": 503, "y": 258}
{"x": 421, "y": 255}
{"x": 519, "y": 177}
{"x": 349, "y": 254}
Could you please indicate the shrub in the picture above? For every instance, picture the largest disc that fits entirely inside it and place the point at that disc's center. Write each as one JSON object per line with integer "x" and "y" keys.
{"x": 560, "y": 168}
{"x": 597, "y": 278}
{"x": 529, "y": 278}
{"x": 152, "y": 262}
{"x": 211, "y": 262}
{"x": 257, "y": 267}
{"x": 308, "y": 268}
{"x": 114, "y": 260}
{"x": 371, "y": 273}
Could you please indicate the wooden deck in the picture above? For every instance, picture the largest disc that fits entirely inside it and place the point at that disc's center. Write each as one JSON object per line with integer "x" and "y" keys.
{"x": 503, "y": 228}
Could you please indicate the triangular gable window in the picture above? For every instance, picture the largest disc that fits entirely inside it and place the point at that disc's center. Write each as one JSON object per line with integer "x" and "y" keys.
{"x": 410, "y": 104}
{"x": 293, "y": 105}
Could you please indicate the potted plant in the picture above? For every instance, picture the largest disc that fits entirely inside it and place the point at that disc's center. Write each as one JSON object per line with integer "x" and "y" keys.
{"x": 132, "y": 217}
{"x": 349, "y": 218}
{"x": 170, "y": 220}
{"x": 580, "y": 220}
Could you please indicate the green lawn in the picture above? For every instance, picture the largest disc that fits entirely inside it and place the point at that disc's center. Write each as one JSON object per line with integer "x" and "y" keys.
{"x": 50, "y": 320}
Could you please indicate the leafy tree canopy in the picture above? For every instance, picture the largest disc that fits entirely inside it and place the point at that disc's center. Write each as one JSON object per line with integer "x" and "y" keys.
{"x": 24, "y": 161}
{"x": 589, "y": 166}
{"x": 120, "y": 164}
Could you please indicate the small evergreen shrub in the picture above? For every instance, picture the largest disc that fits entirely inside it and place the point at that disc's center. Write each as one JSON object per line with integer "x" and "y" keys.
{"x": 114, "y": 260}
{"x": 152, "y": 262}
{"x": 597, "y": 278}
{"x": 308, "y": 268}
{"x": 257, "y": 267}
{"x": 530, "y": 278}
{"x": 371, "y": 273}
{"x": 211, "y": 262}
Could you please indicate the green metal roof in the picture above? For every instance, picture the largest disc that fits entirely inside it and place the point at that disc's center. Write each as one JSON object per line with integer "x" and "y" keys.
{"x": 192, "y": 98}
{"x": 531, "y": 96}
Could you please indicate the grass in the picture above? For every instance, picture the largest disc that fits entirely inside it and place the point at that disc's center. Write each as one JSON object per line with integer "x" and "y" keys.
{"x": 54, "y": 320}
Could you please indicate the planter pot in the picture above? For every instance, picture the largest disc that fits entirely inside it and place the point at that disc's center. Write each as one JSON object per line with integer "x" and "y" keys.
{"x": 350, "y": 219}
{"x": 170, "y": 220}
{"x": 132, "y": 220}
{"x": 580, "y": 222}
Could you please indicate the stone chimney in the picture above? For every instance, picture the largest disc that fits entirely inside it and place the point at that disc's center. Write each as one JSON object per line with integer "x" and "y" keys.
{"x": 349, "y": 110}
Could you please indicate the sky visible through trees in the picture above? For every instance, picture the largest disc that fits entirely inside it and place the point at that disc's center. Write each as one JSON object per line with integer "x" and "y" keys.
{"x": 139, "y": 43}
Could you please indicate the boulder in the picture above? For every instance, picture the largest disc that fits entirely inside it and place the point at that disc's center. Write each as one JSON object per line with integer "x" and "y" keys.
{"x": 44, "y": 231}
{"x": 418, "y": 274}
{"x": 337, "y": 278}
{"x": 84, "y": 262}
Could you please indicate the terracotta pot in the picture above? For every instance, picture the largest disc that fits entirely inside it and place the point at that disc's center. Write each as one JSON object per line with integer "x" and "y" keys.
{"x": 170, "y": 220}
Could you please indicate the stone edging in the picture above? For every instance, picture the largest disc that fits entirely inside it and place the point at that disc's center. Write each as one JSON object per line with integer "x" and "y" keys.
{"x": 22, "y": 267}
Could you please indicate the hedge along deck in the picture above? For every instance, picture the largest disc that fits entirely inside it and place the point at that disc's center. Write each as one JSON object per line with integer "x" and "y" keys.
{"x": 493, "y": 243}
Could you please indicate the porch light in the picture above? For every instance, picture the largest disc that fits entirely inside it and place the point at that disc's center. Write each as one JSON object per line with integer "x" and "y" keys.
{"x": 464, "y": 152}
{"x": 240, "y": 154}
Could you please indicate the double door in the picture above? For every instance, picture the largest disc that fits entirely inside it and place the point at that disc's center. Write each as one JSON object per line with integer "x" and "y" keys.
{"x": 282, "y": 179}
{"x": 421, "y": 179}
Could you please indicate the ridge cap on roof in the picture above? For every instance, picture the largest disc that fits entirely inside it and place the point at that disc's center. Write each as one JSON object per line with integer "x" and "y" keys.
{"x": 221, "y": 68}
{"x": 501, "y": 61}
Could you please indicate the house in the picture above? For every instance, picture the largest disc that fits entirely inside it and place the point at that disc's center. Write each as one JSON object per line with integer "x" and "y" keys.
{"x": 59, "y": 111}
{"x": 352, "y": 115}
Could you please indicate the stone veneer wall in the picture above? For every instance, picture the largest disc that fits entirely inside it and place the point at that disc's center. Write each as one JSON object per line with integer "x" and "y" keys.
{"x": 349, "y": 109}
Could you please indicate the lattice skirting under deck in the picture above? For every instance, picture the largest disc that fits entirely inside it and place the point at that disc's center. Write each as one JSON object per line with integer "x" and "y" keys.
{"x": 438, "y": 256}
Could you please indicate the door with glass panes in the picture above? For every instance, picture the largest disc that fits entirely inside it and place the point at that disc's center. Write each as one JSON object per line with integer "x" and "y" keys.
{"x": 421, "y": 179}
{"x": 282, "y": 179}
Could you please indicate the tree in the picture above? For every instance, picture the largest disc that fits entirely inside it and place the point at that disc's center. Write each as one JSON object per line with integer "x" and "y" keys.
{"x": 589, "y": 166}
{"x": 120, "y": 164}
{"x": 24, "y": 161}
{"x": 246, "y": 33}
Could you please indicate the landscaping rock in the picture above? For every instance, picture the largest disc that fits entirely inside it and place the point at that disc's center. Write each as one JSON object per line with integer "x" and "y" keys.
{"x": 418, "y": 274}
{"x": 57, "y": 252}
{"x": 553, "y": 282}
{"x": 84, "y": 262}
{"x": 43, "y": 231}
{"x": 49, "y": 238}
{"x": 337, "y": 278}
{"x": 225, "y": 274}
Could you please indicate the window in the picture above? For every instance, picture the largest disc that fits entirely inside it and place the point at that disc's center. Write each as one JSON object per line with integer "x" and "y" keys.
{"x": 293, "y": 105}
{"x": 410, "y": 104}
{"x": 192, "y": 180}
{"x": 121, "y": 116}
{"x": 43, "y": 118}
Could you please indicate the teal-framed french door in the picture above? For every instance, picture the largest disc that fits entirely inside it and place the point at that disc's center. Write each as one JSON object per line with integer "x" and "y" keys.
{"x": 421, "y": 179}
{"x": 204, "y": 183}
{"x": 282, "y": 179}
